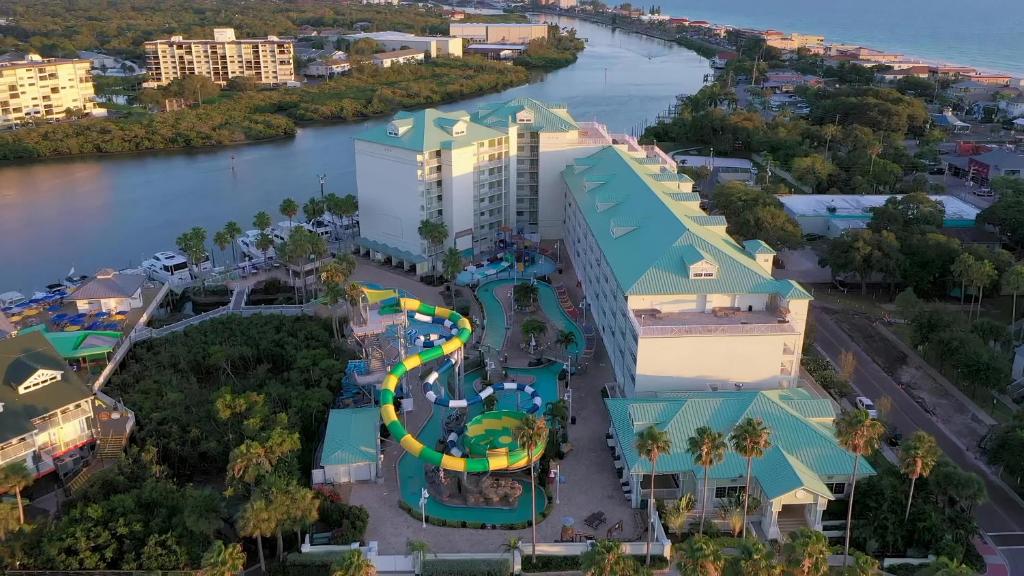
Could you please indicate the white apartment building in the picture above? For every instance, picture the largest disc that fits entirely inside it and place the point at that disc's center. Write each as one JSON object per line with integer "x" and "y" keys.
{"x": 423, "y": 166}
{"x": 496, "y": 33}
{"x": 38, "y": 88}
{"x": 46, "y": 411}
{"x": 270, "y": 60}
{"x": 679, "y": 304}
{"x": 432, "y": 46}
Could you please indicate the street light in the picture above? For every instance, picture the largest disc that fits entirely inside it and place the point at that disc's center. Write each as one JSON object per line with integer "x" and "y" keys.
{"x": 424, "y": 496}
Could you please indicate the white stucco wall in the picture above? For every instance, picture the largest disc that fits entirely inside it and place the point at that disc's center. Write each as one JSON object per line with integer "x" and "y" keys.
{"x": 338, "y": 474}
{"x": 389, "y": 198}
{"x": 557, "y": 150}
{"x": 458, "y": 167}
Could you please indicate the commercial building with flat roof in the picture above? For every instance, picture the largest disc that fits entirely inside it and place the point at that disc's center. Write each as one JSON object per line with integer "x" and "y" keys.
{"x": 389, "y": 59}
{"x": 432, "y": 46}
{"x": 831, "y": 214}
{"x": 45, "y": 89}
{"x": 498, "y": 33}
{"x": 678, "y": 303}
{"x": 267, "y": 60}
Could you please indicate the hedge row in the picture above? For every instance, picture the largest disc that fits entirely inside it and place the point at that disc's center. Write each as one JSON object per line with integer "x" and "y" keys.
{"x": 466, "y": 567}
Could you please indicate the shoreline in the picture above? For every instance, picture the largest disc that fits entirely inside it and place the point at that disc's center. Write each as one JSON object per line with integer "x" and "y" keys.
{"x": 921, "y": 60}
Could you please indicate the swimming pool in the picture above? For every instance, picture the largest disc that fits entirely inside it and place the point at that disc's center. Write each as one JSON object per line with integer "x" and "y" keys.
{"x": 494, "y": 313}
{"x": 411, "y": 470}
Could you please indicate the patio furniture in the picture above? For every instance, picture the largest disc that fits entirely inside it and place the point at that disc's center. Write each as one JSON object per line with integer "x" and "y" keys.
{"x": 596, "y": 519}
{"x": 72, "y": 328}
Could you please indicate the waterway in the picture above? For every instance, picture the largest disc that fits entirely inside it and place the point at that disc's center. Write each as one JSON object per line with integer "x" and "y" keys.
{"x": 116, "y": 211}
{"x": 983, "y": 33}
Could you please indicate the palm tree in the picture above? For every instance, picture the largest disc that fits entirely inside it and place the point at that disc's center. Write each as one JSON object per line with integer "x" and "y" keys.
{"x": 313, "y": 209}
{"x": 222, "y": 240}
{"x": 708, "y": 449}
{"x": 221, "y": 560}
{"x": 605, "y": 558}
{"x": 510, "y": 545}
{"x": 353, "y": 564}
{"x": 289, "y": 208}
{"x": 558, "y": 411}
{"x": 264, "y": 242}
{"x": 860, "y": 435}
{"x": 451, "y": 265}
{"x": 863, "y": 565}
{"x": 918, "y": 457}
{"x": 531, "y": 433}
{"x": 434, "y": 234}
{"x": 756, "y": 559}
{"x": 353, "y": 295}
{"x": 961, "y": 270}
{"x": 232, "y": 230}
{"x": 806, "y": 553}
{"x": 524, "y": 295}
{"x": 701, "y": 557}
{"x": 984, "y": 274}
{"x": 1013, "y": 282}
{"x": 305, "y": 510}
{"x": 651, "y": 444}
{"x": 16, "y": 476}
{"x": 533, "y": 327}
{"x": 257, "y": 521}
{"x": 419, "y": 549}
{"x": 565, "y": 339}
{"x": 334, "y": 276}
{"x": 261, "y": 221}
{"x": 945, "y": 567}
{"x": 750, "y": 439}
{"x": 677, "y": 516}
{"x": 193, "y": 244}
{"x": 8, "y": 519}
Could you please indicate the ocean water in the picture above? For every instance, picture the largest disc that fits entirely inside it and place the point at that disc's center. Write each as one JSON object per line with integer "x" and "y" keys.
{"x": 986, "y": 34}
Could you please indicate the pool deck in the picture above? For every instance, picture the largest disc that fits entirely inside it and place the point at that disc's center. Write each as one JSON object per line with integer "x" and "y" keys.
{"x": 591, "y": 484}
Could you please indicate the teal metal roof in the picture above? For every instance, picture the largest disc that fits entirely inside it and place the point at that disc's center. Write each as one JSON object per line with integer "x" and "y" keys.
{"x": 546, "y": 117}
{"x": 802, "y": 451}
{"x": 758, "y": 247}
{"x": 716, "y": 220}
{"x": 429, "y": 129}
{"x": 653, "y": 259}
{"x": 391, "y": 250}
{"x": 351, "y": 436}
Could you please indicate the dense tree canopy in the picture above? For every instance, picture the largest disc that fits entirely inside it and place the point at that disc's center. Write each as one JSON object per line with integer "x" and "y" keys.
{"x": 756, "y": 214}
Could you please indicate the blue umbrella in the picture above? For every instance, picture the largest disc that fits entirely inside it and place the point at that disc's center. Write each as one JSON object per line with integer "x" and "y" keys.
{"x": 111, "y": 326}
{"x": 79, "y": 316}
{"x": 53, "y": 308}
{"x": 7, "y": 309}
{"x": 76, "y": 321}
{"x": 60, "y": 317}
{"x": 101, "y": 315}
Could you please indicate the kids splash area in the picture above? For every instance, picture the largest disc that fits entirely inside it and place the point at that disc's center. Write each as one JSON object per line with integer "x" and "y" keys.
{"x": 465, "y": 464}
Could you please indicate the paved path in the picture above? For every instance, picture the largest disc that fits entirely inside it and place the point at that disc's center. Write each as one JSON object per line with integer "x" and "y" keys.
{"x": 1003, "y": 513}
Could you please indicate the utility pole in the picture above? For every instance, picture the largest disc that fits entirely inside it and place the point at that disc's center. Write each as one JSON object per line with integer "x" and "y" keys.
{"x": 323, "y": 181}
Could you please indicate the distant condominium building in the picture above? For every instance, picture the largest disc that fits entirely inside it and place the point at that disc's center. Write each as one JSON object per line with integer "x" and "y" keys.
{"x": 432, "y": 46}
{"x": 495, "y": 33}
{"x": 678, "y": 303}
{"x": 487, "y": 176}
{"x": 794, "y": 41}
{"x": 267, "y": 60}
{"x": 44, "y": 88}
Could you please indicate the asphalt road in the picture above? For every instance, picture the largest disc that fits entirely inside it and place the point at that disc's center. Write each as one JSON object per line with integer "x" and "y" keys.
{"x": 1002, "y": 516}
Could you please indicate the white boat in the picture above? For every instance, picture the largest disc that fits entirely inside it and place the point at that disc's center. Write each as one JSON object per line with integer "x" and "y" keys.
{"x": 11, "y": 299}
{"x": 247, "y": 243}
{"x": 345, "y": 226}
{"x": 284, "y": 229}
{"x": 168, "y": 267}
{"x": 322, "y": 227}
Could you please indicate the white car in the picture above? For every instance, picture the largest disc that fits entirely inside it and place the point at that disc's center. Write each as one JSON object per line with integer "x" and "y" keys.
{"x": 867, "y": 405}
{"x": 984, "y": 192}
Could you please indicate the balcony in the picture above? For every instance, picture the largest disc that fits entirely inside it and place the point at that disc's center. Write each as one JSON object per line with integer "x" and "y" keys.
{"x": 652, "y": 323}
{"x": 666, "y": 487}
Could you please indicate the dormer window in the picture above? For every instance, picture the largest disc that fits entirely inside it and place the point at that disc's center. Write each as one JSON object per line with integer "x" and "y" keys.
{"x": 697, "y": 263}
{"x": 398, "y": 128}
{"x": 703, "y": 269}
{"x": 524, "y": 117}
{"x": 39, "y": 379}
{"x": 459, "y": 128}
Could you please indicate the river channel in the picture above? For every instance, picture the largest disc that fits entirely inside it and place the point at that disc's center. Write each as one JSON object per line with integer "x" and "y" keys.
{"x": 118, "y": 210}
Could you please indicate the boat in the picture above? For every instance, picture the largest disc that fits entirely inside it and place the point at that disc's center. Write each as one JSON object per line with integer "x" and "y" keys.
{"x": 247, "y": 243}
{"x": 169, "y": 268}
{"x": 11, "y": 298}
{"x": 322, "y": 227}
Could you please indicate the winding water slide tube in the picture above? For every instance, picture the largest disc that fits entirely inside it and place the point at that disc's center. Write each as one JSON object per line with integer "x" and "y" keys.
{"x": 511, "y": 457}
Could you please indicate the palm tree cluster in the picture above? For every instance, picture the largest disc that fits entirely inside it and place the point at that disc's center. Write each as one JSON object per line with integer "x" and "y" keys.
{"x": 976, "y": 274}
{"x": 13, "y": 478}
{"x": 301, "y": 248}
{"x": 335, "y": 277}
{"x": 193, "y": 245}
{"x": 531, "y": 433}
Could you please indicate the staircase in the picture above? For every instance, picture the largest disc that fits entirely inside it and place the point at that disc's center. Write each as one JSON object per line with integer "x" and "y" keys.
{"x": 80, "y": 480}
{"x": 789, "y": 524}
{"x": 111, "y": 447}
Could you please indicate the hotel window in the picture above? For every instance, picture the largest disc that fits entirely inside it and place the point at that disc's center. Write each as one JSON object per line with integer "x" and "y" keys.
{"x": 728, "y": 491}
{"x": 837, "y": 488}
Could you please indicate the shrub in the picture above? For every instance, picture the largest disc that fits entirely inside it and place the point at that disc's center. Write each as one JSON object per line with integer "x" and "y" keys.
{"x": 550, "y": 563}
{"x": 466, "y": 567}
{"x": 347, "y": 523}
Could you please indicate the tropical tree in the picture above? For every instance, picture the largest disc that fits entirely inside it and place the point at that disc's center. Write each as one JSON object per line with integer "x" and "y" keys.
{"x": 193, "y": 244}
{"x": 353, "y": 295}
{"x": 8, "y": 519}
{"x": 353, "y": 563}
{"x": 257, "y": 521}
{"x": 558, "y": 412}
{"x": 533, "y": 327}
{"x": 289, "y": 208}
{"x": 651, "y": 444}
{"x": 605, "y": 558}
{"x": 221, "y": 560}
{"x": 510, "y": 545}
{"x": 565, "y": 339}
{"x": 756, "y": 559}
{"x": 451, "y": 265}
{"x": 917, "y": 458}
{"x": 334, "y": 276}
{"x": 524, "y": 294}
{"x": 860, "y": 435}
{"x": 16, "y": 477}
{"x": 253, "y": 459}
{"x": 223, "y": 240}
{"x": 863, "y": 565}
{"x": 419, "y": 549}
{"x": 531, "y": 433}
{"x": 264, "y": 242}
{"x": 701, "y": 557}
{"x": 261, "y": 221}
{"x": 945, "y": 567}
{"x": 983, "y": 274}
{"x": 961, "y": 270}
{"x": 314, "y": 208}
{"x": 232, "y": 230}
{"x": 677, "y": 514}
{"x": 806, "y": 553}
{"x": 708, "y": 449}
{"x": 750, "y": 438}
{"x": 434, "y": 234}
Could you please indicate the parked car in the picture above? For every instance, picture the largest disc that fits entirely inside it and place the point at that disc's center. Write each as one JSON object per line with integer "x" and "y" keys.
{"x": 865, "y": 403}
{"x": 984, "y": 192}
{"x": 894, "y": 437}
{"x": 937, "y": 170}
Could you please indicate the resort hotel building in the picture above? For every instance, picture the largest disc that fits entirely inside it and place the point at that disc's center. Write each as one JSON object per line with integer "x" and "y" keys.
{"x": 45, "y": 89}
{"x": 267, "y": 60}
{"x": 485, "y": 175}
